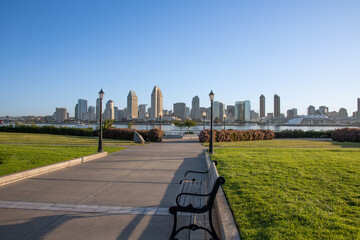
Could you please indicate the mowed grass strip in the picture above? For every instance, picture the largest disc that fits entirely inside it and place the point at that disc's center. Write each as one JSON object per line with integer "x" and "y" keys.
{"x": 33, "y": 138}
{"x": 279, "y": 193}
{"x": 15, "y": 158}
{"x": 289, "y": 143}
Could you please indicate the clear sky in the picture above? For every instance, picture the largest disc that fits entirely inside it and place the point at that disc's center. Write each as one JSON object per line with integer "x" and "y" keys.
{"x": 54, "y": 52}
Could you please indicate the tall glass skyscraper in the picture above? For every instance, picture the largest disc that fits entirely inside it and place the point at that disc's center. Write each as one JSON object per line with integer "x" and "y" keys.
{"x": 156, "y": 103}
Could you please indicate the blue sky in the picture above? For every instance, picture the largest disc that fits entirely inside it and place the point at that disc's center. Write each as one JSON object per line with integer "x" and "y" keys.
{"x": 54, "y": 52}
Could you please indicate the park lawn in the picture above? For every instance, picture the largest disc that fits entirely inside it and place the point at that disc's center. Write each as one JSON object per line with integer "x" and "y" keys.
{"x": 33, "y": 138}
{"x": 15, "y": 158}
{"x": 292, "y": 193}
{"x": 288, "y": 143}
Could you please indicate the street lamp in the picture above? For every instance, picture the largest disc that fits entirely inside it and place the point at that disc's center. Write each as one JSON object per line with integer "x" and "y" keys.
{"x": 160, "y": 115}
{"x": 224, "y": 116}
{"x": 204, "y": 116}
{"x": 101, "y": 96}
{"x": 146, "y": 116}
{"x": 211, "y": 96}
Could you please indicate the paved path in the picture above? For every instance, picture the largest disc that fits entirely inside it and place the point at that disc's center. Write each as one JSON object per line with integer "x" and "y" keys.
{"x": 125, "y": 195}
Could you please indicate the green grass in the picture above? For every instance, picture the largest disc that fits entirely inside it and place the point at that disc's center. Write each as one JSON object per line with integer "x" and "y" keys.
{"x": 23, "y": 151}
{"x": 33, "y": 138}
{"x": 287, "y": 144}
{"x": 292, "y": 193}
{"x": 15, "y": 158}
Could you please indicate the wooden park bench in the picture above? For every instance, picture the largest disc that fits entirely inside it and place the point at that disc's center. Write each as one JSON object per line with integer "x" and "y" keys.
{"x": 196, "y": 196}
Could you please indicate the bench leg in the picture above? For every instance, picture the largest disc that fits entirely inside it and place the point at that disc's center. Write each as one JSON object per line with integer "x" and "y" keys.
{"x": 173, "y": 233}
{"x": 212, "y": 232}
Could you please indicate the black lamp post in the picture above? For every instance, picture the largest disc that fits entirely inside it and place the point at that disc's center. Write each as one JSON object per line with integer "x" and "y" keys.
{"x": 211, "y": 96}
{"x": 160, "y": 115}
{"x": 204, "y": 116}
{"x": 146, "y": 116}
{"x": 101, "y": 96}
{"x": 224, "y": 116}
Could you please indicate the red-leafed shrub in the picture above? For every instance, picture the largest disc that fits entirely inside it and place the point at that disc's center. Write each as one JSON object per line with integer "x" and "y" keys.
{"x": 234, "y": 135}
{"x": 153, "y": 135}
{"x": 346, "y": 135}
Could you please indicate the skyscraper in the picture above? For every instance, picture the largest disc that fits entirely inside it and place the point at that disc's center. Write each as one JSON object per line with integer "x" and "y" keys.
{"x": 109, "y": 110}
{"x": 219, "y": 110}
{"x": 132, "y": 105}
{"x": 82, "y": 108}
{"x": 276, "y": 106}
{"x": 247, "y": 111}
{"x": 156, "y": 103}
{"x": 262, "y": 106}
{"x": 195, "y": 108}
{"x": 180, "y": 110}
{"x": 239, "y": 111}
{"x": 142, "y": 111}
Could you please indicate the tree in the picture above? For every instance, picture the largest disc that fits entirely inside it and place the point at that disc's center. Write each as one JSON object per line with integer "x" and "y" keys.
{"x": 179, "y": 124}
{"x": 189, "y": 123}
{"x": 108, "y": 123}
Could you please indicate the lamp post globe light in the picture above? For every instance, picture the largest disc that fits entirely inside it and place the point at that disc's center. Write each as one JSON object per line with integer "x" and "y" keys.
{"x": 147, "y": 116}
{"x": 160, "y": 115}
{"x": 224, "y": 116}
{"x": 204, "y": 116}
{"x": 211, "y": 96}
{"x": 101, "y": 96}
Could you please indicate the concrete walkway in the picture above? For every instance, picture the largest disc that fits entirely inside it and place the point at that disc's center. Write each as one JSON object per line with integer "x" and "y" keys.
{"x": 125, "y": 195}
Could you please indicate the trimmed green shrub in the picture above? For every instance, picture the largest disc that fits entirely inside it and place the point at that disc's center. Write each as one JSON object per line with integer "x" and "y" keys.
{"x": 298, "y": 133}
{"x": 48, "y": 130}
{"x": 153, "y": 135}
{"x": 346, "y": 135}
{"x": 234, "y": 135}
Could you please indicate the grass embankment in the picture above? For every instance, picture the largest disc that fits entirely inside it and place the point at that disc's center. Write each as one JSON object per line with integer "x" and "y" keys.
{"x": 23, "y": 151}
{"x": 308, "y": 190}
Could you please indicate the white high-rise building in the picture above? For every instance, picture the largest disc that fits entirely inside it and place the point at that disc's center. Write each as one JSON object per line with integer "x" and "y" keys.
{"x": 109, "y": 112}
{"x": 82, "y": 109}
{"x": 219, "y": 110}
{"x": 132, "y": 105}
{"x": 156, "y": 103}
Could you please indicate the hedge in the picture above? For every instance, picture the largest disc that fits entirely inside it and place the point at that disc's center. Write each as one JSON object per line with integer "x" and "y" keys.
{"x": 153, "y": 135}
{"x": 234, "y": 135}
{"x": 303, "y": 134}
{"x": 346, "y": 135}
{"x": 48, "y": 130}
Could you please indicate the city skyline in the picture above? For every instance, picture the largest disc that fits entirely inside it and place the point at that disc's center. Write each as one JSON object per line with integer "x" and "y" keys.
{"x": 54, "y": 53}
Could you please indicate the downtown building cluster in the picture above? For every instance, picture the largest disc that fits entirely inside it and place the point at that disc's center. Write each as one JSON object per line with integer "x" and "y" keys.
{"x": 240, "y": 112}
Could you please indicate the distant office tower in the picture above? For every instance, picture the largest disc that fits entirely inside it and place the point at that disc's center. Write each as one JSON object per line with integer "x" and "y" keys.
{"x": 311, "y": 110}
{"x": 230, "y": 113}
{"x": 116, "y": 114}
{"x": 240, "y": 111}
{"x": 323, "y": 110}
{"x": 132, "y": 105}
{"x": 109, "y": 110}
{"x": 156, "y": 103}
{"x": 219, "y": 110}
{"x": 180, "y": 110}
{"x": 91, "y": 109}
{"x": 276, "y": 106}
{"x": 292, "y": 113}
{"x": 77, "y": 112}
{"x": 187, "y": 112}
{"x": 82, "y": 108}
{"x": 247, "y": 111}
{"x": 98, "y": 109}
{"x": 343, "y": 112}
{"x": 142, "y": 111}
{"x": 60, "y": 114}
{"x": 195, "y": 108}
{"x": 254, "y": 115}
{"x": 262, "y": 106}
{"x": 358, "y": 108}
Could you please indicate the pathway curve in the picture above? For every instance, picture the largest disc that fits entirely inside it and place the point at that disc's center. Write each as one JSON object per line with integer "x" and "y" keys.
{"x": 125, "y": 195}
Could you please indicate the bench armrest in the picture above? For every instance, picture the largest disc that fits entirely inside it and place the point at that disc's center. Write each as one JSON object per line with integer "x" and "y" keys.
{"x": 189, "y": 194}
{"x": 195, "y": 172}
